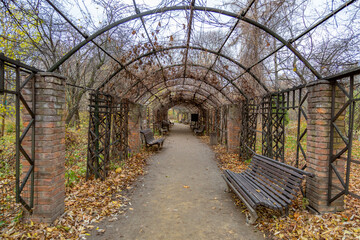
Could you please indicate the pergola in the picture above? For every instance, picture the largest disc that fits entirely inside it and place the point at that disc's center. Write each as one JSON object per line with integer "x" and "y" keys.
{"x": 173, "y": 68}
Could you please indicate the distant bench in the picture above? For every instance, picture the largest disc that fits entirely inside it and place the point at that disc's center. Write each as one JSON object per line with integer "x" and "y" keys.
{"x": 150, "y": 140}
{"x": 267, "y": 183}
{"x": 200, "y": 130}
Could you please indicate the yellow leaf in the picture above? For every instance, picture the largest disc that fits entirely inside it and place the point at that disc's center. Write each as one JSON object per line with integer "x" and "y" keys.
{"x": 185, "y": 186}
{"x": 118, "y": 170}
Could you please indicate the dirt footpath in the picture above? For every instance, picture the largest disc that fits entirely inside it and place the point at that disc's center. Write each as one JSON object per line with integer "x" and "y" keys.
{"x": 181, "y": 197}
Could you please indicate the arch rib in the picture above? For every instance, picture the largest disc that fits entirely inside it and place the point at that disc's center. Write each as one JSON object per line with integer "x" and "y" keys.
{"x": 188, "y": 91}
{"x": 196, "y": 8}
{"x": 194, "y": 65}
{"x": 190, "y": 85}
{"x": 177, "y": 78}
{"x": 179, "y": 65}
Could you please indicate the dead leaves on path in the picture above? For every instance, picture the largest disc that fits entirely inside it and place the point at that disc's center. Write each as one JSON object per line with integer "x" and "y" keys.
{"x": 86, "y": 203}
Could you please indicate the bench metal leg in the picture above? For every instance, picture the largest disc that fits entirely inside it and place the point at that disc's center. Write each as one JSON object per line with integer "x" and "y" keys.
{"x": 252, "y": 215}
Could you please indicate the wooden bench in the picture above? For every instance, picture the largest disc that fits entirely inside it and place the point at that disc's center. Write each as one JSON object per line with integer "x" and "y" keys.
{"x": 267, "y": 183}
{"x": 150, "y": 140}
{"x": 199, "y": 130}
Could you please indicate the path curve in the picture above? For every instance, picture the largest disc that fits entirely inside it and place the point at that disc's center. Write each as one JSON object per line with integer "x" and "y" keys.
{"x": 181, "y": 197}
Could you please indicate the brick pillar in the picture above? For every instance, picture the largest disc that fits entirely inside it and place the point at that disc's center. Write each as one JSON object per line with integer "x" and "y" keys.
{"x": 143, "y": 117}
{"x": 49, "y": 146}
{"x": 233, "y": 128}
{"x": 318, "y": 145}
{"x": 134, "y": 127}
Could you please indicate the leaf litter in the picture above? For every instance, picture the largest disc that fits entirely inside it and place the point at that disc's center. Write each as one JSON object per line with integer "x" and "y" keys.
{"x": 86, "y": 203}
{"x": 300, "y": 223}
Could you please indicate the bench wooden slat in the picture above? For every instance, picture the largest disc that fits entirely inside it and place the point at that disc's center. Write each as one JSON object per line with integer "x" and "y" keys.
{"x": 234, "y": 184}
{"x": 266, "y": 182}
{"x": 289, "y": 192}
{"x": 273, "y": 194}
{"x": 274, "y": 178}
{"x": 250, "y": 191}
{"x": 275, "y": 173}
{"x": 260, "y": 190}
{"x": 149, "y": 138}
{"x": 279, "y": 171}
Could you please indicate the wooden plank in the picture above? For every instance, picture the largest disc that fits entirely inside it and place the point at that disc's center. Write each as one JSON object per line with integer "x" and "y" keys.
{"x": 276, "y": 202}
{"x": 251, "y": 190}
{"x": 273, "y": 178}
{"x": 276, "y": 195}
{"x": 289, "y": 192}
{"x": 278, "y": 170}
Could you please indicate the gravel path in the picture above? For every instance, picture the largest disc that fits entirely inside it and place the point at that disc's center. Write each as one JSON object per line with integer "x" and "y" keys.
{"x": 181, "y": 197}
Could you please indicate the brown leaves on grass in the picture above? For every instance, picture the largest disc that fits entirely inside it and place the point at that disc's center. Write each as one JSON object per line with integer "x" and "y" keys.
{"x": 86, "y": 203}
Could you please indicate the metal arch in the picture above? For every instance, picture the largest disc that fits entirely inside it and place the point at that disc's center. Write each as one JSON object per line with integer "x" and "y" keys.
{"x": 188, "y": 91}
{"x": 189, "y": 35}
{"x": 194, "y": 65}
{"x": 243, "y": 13}
{"x": 184, "y": 101}
{"x": 207, "y": 83}
{"x": 309, "y": 29}
{"x": 197, "y": 8}
{"x": 195, "y": 48}
{"x": 213, "y": 104}
{"x": 190, "y": 106}
{"x": 177, "y": 78}
{"x": 189, "y": 85}
{"x": 151, "y": 42}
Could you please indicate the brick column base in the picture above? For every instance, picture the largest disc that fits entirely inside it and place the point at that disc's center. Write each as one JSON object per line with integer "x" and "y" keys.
{"x": 233, "y": 128}
{"x": 49, "y": 147}
{"x": 318, "y": 145}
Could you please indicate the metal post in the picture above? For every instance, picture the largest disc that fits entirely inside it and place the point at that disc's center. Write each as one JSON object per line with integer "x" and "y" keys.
{"x": 33, "y": 94}
{"x": 96, "y": 130}
{"x": 350, "y": 131}
{"x": 331, "y": 140}
{"x": 298, "y": 130}
{"x": 2, "y": 77}
{"x": 17, "y": 126}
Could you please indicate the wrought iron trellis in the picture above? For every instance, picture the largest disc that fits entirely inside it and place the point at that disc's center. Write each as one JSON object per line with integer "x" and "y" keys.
{"x": 278, "y": 112}
{"x": 272, "y": 109}
{"x": 249, "y": 113}
{"x": 20, "y": 85}
{"x": 340, "y": 163}
{"x": 120, "y": 143}
{"x": 99, "y": 135}
{"x": 266, "y": 123}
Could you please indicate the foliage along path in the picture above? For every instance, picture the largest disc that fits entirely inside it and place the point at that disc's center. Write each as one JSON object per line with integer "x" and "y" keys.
{"x": 181, "y": 197}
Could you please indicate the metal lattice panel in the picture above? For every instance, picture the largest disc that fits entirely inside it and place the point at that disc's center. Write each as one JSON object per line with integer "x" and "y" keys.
{"x": 120, "y": 142}
{"x": 301, "y": 134}
{"x": 248, "y": 133}
{"x": 266, "y": 126}
{"x": 24, "y": 192}
{"x": 278, "y": 126}
{"x": 99, "y": 136}
{"x": 341, "y": 161}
